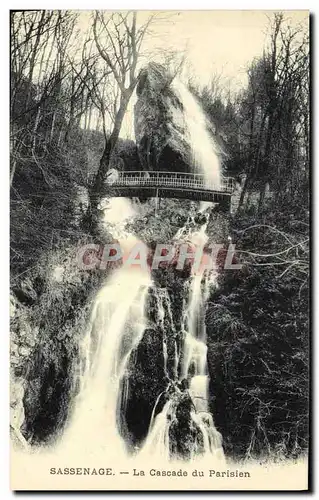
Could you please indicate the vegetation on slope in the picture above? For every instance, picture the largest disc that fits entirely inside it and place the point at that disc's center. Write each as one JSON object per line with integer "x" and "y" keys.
{"x": 258, "y": 339}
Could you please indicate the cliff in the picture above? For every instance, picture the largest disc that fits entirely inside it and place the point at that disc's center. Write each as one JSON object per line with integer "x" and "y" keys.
{"x": 160, "y": 128}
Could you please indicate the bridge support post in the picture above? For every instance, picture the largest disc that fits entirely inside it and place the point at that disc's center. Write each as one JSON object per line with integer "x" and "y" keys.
{"x": 157, "y": 202}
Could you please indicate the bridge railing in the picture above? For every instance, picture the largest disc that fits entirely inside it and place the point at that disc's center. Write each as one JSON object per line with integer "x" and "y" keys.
{"x": 169, "y": 179}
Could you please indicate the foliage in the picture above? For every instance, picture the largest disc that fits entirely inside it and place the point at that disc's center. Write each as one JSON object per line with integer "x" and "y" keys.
{"x": 258, "y": 341}
{"x": 264, "y": 129}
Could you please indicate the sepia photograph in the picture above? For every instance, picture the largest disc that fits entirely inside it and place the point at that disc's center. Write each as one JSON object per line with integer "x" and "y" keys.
{"x": 159, "y": 250}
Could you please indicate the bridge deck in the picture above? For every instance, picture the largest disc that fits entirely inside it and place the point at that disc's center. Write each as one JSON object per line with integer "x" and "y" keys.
{"x": 168, "y": 185}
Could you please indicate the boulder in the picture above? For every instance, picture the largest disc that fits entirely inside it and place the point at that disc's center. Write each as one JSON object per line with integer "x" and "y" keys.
{"x": 160, "y": 128}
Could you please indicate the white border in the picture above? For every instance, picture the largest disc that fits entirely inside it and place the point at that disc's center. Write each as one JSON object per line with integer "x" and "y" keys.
{"x": 4, "y": 169}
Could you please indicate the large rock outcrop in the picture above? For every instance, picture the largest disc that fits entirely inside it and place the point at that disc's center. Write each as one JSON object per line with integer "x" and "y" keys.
{"x": 160, "y": 127}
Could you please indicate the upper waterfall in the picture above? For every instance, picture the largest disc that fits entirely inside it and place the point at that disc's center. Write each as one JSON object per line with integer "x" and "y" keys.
{"x": 203, "y": 150}
{"x": 171, "y": 128}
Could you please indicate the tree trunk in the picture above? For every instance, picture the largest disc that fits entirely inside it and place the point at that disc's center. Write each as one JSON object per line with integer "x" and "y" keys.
{"x": 52, "y": 127}
{"x": 33, "y": 57}
{"x": 243, "y": 192}
{"x": 89, "y": 118}
{"x": 250, "y": 158}
{"x": 262, "y": 196}
{"x": 96, "y": 189}
{"x": 12, "y": 172}
{"x": 71, "y": 120}
{"x": 35, "y": 128}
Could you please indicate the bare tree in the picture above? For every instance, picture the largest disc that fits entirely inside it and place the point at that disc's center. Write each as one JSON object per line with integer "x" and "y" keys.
{"x": 118, "y": 39}
{"x": 275, "y": 114}
{"x": 39, "y": 43}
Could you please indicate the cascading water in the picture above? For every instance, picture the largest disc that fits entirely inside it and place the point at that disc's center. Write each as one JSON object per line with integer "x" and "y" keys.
{"x": 115, "y": 328}
{"x": 190, "y": 390}
{"x": 180, "y": 424}
{"x": 192, "y": 383}
{"x": 204, "y": 154}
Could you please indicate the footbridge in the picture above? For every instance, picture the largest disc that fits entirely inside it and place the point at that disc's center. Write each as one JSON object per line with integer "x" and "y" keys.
{"x": 169, "y": 185}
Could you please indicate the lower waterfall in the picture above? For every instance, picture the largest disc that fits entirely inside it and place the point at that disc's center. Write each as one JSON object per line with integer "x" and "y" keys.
{"x": 181, "y": 426}
{"x": 184, "y": 428}
{"x": 116, "y": 326}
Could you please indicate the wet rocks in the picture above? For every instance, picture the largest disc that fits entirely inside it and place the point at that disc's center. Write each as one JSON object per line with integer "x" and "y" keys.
{"x": 146, "y": 380}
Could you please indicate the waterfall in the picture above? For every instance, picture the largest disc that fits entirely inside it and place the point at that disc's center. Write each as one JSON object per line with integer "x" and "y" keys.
{"x": 203, "y": 150}
{"x": 115, "y": 328}
{"x": 180, "y": 424}
{"x": 192, "y": 382}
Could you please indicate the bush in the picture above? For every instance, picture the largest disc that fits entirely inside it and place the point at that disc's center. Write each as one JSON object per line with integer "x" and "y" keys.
{"x": 258, "y": 349}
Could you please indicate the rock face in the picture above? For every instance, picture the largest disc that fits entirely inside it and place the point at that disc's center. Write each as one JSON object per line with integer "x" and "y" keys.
{"x": 125, "y": 156}
{"x": 160, "y": 127}
{"x": 152, "y": 368}
{"x": 48, "y": 312}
